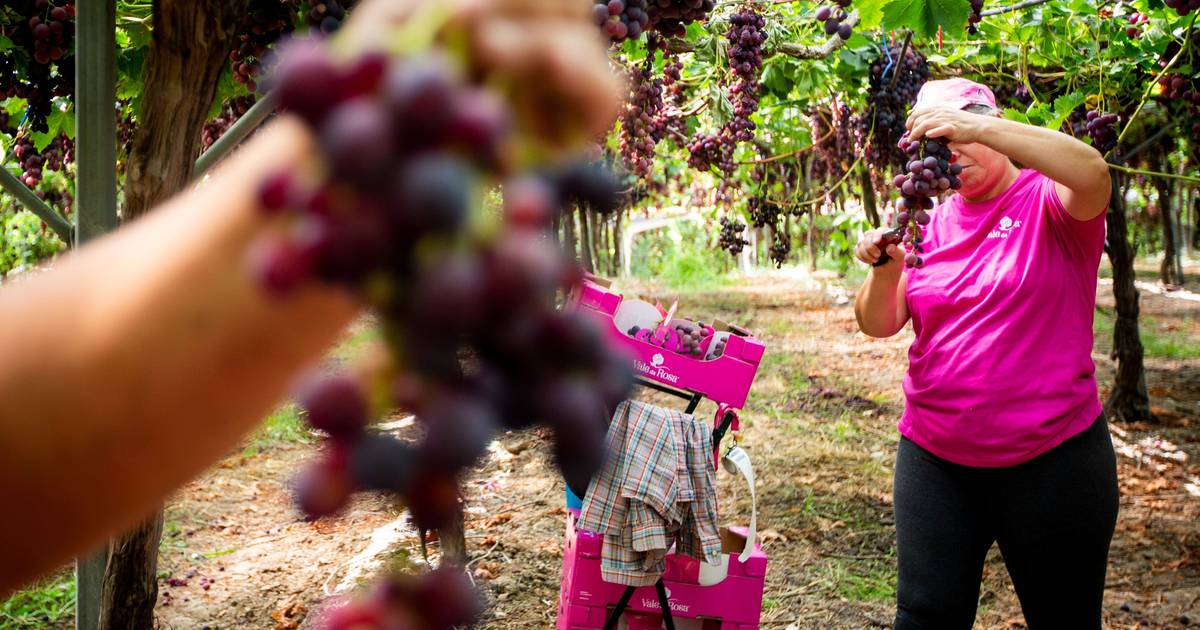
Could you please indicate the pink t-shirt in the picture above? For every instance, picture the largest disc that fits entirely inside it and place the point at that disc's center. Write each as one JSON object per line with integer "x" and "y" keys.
{"x": 1001, "y": 369}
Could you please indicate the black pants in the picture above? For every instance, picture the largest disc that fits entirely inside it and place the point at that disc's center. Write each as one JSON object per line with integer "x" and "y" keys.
{"x": 1053, "y": 518}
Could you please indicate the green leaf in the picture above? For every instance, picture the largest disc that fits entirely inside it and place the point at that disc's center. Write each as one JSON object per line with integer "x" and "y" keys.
{"x": 5, "y": 43}
{"x": 720, "y": 106}
{"x": 15, "y": 107}
{"x": 42, "y": 140}
{"x": 61, "y": 122}
{"x": 1016, "y": 114}
{"x": 1063, "y": 106}
{"x": 870, "y": 14}
{"x": 775, "y": 77}
{"x": 925, "y": 16}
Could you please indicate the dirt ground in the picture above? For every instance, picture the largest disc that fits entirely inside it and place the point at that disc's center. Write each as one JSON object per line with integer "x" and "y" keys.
{"x": 819, "y": 426}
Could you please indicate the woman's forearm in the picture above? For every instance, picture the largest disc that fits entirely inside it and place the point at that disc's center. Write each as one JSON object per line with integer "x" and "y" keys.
{"x": 877, "y": 307}
{"x": 1073, "y": 164}
{"x": 143, "y": 357}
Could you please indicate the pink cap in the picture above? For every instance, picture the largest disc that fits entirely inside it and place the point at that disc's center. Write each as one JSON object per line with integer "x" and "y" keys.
{"x": 956, "y": 93}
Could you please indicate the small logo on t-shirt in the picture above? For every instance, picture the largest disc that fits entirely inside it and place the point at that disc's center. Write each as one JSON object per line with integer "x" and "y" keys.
{"x": 1005, "y": 228}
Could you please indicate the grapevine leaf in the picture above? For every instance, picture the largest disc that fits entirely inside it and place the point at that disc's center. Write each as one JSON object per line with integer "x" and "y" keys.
{"x": 925, "y": 16}
{"x": 67, "y": 124}
{"x": 5, "y": 43}
{"x": 15, "y": 107}
{"x": 776, "y": 77}
{"x": 41, "y": 140}
{"x": 870, "y": 14}
{"x": 1063, "y": 106}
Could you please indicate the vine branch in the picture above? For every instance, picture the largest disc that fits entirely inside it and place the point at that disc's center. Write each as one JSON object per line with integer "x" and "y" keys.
{"x": 1016, "y": 7}
{"x": 799, "y": 51}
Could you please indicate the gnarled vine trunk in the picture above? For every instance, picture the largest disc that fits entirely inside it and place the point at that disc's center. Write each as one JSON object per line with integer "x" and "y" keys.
{"x": 191, "y": 42}
{"x": 1128, "y": 401}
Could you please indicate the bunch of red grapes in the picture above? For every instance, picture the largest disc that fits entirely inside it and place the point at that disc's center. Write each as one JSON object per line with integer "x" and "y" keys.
{"x": 781, "y": 247}
{"x": 834, "y": 17}
{"x": 39, "y": 66}
{"x": 929, "y": 173}
{"x": 1136, "y": 22}
{"x": 406, "y": 143}
{"x": 746, "y": 36}
{"x": 231, "y": 112}
{"x": 690, "y": 336}
{"x": 1180, "y": 88}
{"x": 730, "y": 238}
{"x": 642, "y": 119}
{"x": 880, "y": 128}
{"x": 628, "y": 19}
{"x": 621, "y": 19}
{"x": 34, "y": 163}
{"x": 1102, "y": 129}
{"x": 1182, "y": 7}
{"x": 763, "y": 212}
{"x": 975, "y": 17}
{"x": 264, "y": 23}
{"x": 708, "y": 150}
{"x": 326, "y": 16}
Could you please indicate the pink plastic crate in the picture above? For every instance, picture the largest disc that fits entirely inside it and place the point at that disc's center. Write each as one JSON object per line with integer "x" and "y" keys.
{"x": 725, "y": 379}
{"x": 734, "y": 603}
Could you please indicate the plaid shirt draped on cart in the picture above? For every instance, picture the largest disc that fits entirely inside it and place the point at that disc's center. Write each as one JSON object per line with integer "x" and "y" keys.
{"x": 657, "y": 488}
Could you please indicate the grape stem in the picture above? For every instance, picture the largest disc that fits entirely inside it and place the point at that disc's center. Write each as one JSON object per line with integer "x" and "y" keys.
{"x": 784, "y": 156}
{"x": 1138, "y": 171}
{"x": 1187, "y": 40}
{"x": 1164, "y": 130}
{"x": 903, "y": 53}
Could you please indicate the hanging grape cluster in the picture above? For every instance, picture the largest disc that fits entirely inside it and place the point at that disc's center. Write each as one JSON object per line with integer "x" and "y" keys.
{"x": 833, "y": 138}
{"x": 975, "y": 17}
{"x": 763, "y": 212}
{"x": 834, "y": 16}
{"x": 1102, "y": 129}
{"x": 621, "y": 19}
{"x": 706, "y": 150}
{"x": 781, "y": 247}
{"x": 730, "y": 238}
{"x": 1182, "y": 7}
{"x": 928, "y": 174}
{"x": 880, "y": 127}
{"x": 1185, "y": 90}
{"x": 674, "y": 96}
{"x": 231, "y": 112}
{"x": 746, "y": 36}
{"x": 34, "y": 164}
{"x": 1135, "y": 23}
{"x": 405, "y": 142}
{"x": 1012, "y": 93}
{"x": 642, "y": 119}
{"x": 628, "y": 19}
{"x": 39, "y": 66}
{"x": 264, "y": 23}
{"x": 326, "y": 16}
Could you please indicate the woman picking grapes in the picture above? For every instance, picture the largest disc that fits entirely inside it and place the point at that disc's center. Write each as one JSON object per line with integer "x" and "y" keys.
{"x": 1003, "y": 438}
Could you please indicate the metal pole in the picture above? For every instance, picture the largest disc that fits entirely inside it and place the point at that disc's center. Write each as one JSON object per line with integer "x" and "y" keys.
{"x": 235, "y": 134}
{"x": 34, "y": 204}
{"x": 96, "y": 193}
{"x": 95, "y": 118}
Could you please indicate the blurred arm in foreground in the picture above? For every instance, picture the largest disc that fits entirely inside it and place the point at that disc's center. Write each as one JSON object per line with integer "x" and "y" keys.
{"x": 146, "y": 355}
